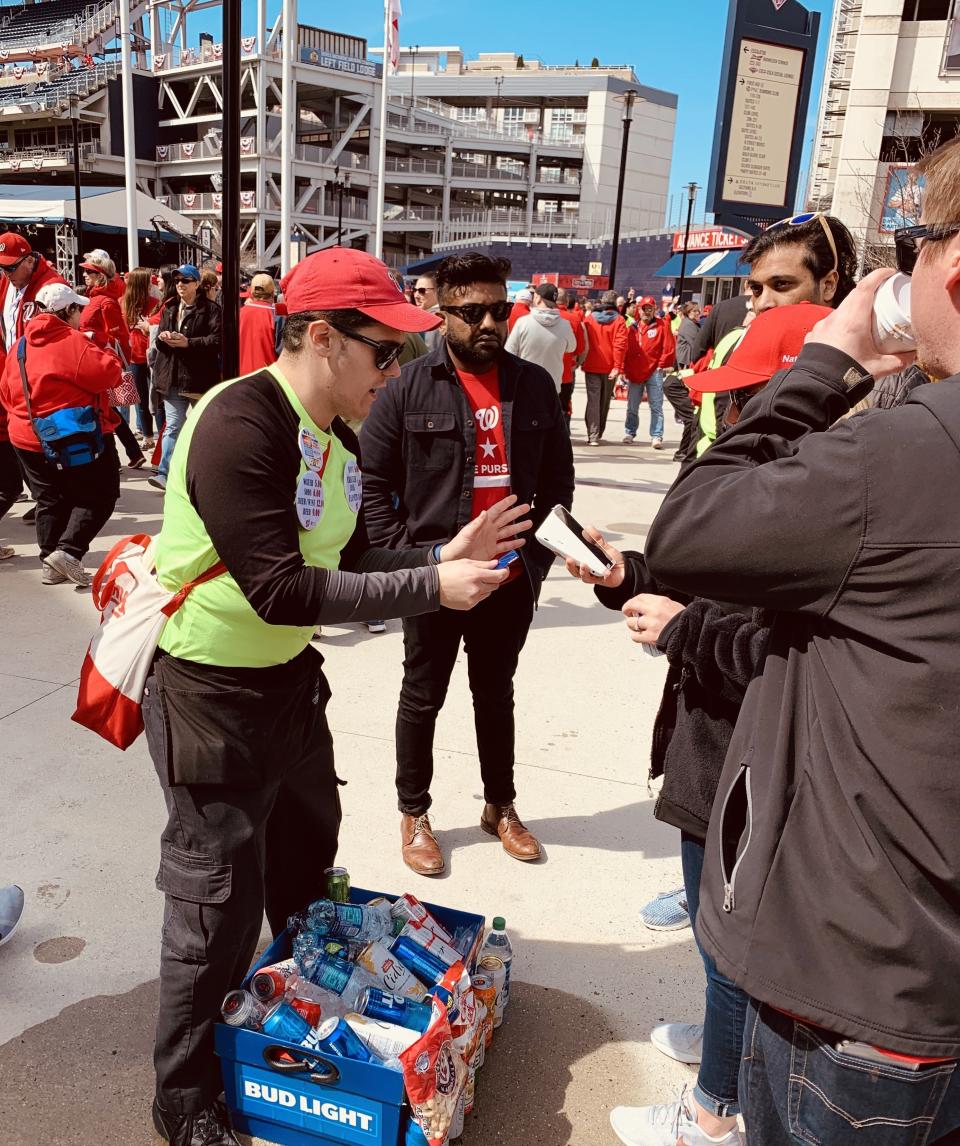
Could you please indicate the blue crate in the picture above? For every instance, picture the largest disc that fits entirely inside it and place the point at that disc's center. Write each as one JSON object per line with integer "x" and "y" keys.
{"x": 331, "y": 1099}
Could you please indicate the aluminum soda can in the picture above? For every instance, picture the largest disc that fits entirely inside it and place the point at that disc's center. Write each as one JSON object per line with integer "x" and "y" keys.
{"x": 338, "y": 884}
{"x": 272, "y": 982}
{"x": 486, "y": 991}
{"x": 385, "y": 1040}
{"x": 386, "y": 967}
{"x": 309, "y": 1010}
{"x": 470, "y": 1088}
{"x": 241, "y": 1009}
{"x": 495, "y": 967}
{"x": 283, "y": 1022}
{"x": 336, "y": 1037}
{"x": 378, "y": 1004}
{"x": 430, "y": 941}
{"x": 408, "y": 907}
{"x": 427, "y": 967}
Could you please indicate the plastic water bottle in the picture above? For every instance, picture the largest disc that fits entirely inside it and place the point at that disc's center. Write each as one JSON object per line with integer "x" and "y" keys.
{"x": 338, "y": 976}
{"x": 348, "y": 920}
{"x": 498, "y": 943}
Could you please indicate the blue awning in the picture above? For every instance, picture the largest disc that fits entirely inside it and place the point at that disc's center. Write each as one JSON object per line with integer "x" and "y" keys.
{"x": 712, "y": 264}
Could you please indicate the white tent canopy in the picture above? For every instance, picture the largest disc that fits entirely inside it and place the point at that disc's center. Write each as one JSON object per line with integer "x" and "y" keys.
{"x": 103, "y": 207}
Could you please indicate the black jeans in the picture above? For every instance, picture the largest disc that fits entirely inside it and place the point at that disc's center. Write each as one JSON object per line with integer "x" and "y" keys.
{"x": 493, "y": 633}
{"x": 11, "y": 479}
{"x": 73, "y": 505}
{"x": 679, "y": 398}
{"x": 245, "y": 761}
{"x": 797, "y": 1089}
{"x": 131, "y": 446}
{"x": 566, "y": 400}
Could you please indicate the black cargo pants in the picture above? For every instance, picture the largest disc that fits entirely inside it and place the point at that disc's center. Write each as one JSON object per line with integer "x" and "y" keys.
{"x": 245, "y": 760}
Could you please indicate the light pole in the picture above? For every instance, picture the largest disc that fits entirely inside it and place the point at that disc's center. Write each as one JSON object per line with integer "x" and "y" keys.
{"x": 629, "y": 97}
{"x": 230, "y": 225}
{"x": 691, "y": 199}
{"x": 413, "y": 80}
{"x": 75, "y": 124}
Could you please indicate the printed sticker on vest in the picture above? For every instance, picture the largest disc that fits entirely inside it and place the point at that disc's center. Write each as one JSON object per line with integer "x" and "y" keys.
{"x": 312, "y": 451}
{"x": 353, "y": 485}
{"x": 310, "y": 500}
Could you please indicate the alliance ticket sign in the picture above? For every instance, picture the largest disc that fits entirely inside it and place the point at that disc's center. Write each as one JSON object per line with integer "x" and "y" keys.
{"x": 766, "y": 96}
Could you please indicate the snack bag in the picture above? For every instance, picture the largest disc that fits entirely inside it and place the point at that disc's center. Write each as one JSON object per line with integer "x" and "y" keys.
{"x": 434, "y": 1075}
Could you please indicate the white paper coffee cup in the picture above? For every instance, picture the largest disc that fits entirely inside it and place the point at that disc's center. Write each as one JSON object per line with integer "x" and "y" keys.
{"x": 892, "y": 332}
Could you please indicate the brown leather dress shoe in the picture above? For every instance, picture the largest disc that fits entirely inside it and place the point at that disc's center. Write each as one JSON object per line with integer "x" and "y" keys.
{"x": 421, "y": 852}
{"x": 502, "y": 820}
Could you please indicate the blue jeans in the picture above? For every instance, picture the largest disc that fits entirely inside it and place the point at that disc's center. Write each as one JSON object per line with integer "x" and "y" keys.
{"x": 725, "y": 1010}
{"x": 796, "y": 1088}
{"x": 654, "y": 388}
{"x": 141, "y": 375}
{"x": 175, "y": 410}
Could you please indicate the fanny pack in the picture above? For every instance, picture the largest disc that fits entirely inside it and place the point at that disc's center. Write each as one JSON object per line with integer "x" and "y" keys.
{"x": 68, "y": 438}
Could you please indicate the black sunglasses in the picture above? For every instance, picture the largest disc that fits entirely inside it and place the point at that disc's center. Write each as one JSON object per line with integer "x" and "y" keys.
{"x": 473, "y": 313}
{"x": 741, "y": 397}
{"x": 13, "y": 266}
{"x": 906, "y": 241}
{"x": 422, "y": 290}
{"x": 386, "y": 353}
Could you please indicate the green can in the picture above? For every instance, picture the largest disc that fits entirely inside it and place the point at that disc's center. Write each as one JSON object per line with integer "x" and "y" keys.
{"x": 338, "y": 884}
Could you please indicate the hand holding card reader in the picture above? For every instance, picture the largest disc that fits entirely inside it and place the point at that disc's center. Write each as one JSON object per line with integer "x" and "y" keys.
{"x": 561, "y": 533}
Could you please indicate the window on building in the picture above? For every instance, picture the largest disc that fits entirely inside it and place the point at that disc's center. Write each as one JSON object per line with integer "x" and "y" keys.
{"x": 514, "y": 114}
{"x": 909, "y": 135}
{"x": 926, "y": 9}
{"x": 470, "y": 114}
{"x": 547, "y": 207}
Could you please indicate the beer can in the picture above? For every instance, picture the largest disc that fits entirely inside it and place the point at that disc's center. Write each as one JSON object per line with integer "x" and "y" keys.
{"x": 385, "y": 1040}
{"x": 407, "y": 907}
{"x": 309, "y": 1010}
{"x": 485, "y": 990}
{"x": 469, "y": 1089}
{"x": 430, "y": 941}
{"x": 456, "y": 1123}
{"x": 338, "y": 884}
{"x": 336, "y": 1037}
{"x": 378, "y": 1004}
{"x": 427, "y": 967}
{"x": 283, "y": 1022}
{"x": 495, "y": 967}
{"x": 387, "y": 968}
{"x": 241, "y": 1009}
{"x": 271, "y": 983}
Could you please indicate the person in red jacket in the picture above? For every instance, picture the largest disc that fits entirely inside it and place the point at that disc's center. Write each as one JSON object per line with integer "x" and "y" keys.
{"x": 22, "y": 273}
{"x": 140, "y": 300}
{"x": 11, "y": 480}
{"x": 607, "y": 332}
{"x": 651, "y": 348}
{"x": 63, "y": 369}
{"x": 521, "y": 307}
{"x": 566, "y": 303}
{"x": 104, "y": 321}
{"x": 258, "y": 326}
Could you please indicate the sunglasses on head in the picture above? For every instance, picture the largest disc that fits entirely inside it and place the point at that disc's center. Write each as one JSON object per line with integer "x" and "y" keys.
{"x": 906, "y": 241}
{"x": 808, "y": 217}
{"x": 385, "y": 353}
{"x": 473, "y": 313}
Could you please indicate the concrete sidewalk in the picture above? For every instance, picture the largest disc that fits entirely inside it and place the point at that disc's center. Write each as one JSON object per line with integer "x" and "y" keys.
{"x": 81, "y": 824}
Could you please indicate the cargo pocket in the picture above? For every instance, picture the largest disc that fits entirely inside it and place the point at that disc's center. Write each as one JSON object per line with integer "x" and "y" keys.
{"x": 194, "y": 885}
{"x": 736, "y": 828}
{"x": 431, "y": 441}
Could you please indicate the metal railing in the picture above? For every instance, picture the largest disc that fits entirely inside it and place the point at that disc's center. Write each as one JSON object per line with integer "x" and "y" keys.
{"x": 478, "y": 129}
{"x": 413, "y": 165}
{"x": 67, "y": 31}
{"x": 39, "y": 157}
{"x": 195, "y": 202}
{"x": 56, "y": 93}
{"x": 463, "y": 170}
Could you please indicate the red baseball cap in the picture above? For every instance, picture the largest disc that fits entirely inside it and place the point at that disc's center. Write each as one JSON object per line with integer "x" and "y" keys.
{"x": 648, "y": 300}
{"x": 13, "y": 248}
{"x": 772, "y": 342}
{"x": 342, "y": 278}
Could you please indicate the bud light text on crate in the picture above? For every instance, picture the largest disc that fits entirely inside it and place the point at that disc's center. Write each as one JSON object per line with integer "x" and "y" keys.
{"x": 318, "y": 1108}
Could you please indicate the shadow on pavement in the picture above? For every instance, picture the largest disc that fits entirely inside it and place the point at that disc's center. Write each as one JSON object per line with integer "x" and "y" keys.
{"x": 86, "y": 1076}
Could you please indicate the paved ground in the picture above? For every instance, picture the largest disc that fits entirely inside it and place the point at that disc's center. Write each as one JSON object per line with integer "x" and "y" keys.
{"x": 81, "y": 822}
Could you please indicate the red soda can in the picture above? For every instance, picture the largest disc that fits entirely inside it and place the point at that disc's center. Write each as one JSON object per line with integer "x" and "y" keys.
{"x": 311, "y": 1011}
{"x": 271, "y": 982}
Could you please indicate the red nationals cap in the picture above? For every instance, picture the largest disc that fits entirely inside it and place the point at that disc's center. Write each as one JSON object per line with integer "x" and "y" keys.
{"x": 341, "y": 278}
{"x": 13, "y": 248}
{"x": 772, "y": 342}
{"x": 648, "y": 300}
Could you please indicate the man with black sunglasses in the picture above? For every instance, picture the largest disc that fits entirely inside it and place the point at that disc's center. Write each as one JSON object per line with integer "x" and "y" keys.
{"x": 425, "y": 296}
{"x": 464, "y": 427}
{"x": 22, "y": 273}
{"x": 831, "y": 888}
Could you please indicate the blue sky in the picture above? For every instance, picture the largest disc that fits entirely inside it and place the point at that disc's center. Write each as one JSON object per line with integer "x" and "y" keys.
{"x": 674, "y": 46}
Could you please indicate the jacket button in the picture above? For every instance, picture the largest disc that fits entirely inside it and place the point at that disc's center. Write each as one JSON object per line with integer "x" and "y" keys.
{"x": 534, "y": 423}
{"x": 429, "y": 425}
{"x": 466, "y": 493}
{"x": 469, "y": 425}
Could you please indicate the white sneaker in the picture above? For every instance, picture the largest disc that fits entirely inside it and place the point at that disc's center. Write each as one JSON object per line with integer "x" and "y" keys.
{"x": 50, "y": 576}
{"x": 657, "y": 443}
{"x": 682, "y": 1042}
{"x": 68, "y": 566}
{"x": 665, "y": 1124}
{"x": 628, "y": 439}
{"x": 6, "y": 552}
{"x": 376, "y": 627}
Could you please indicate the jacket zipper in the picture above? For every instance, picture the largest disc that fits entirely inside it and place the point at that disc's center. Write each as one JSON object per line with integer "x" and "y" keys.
{"x": 730, "y": 881}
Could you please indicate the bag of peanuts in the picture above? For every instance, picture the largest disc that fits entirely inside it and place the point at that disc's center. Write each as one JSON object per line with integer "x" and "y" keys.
{"x": 434, "y": 1074}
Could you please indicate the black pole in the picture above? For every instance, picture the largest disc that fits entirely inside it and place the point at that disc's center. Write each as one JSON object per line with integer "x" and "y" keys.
{"x": 77, "y": 197}
{"x": 686, "y": 243}
{"x": 627, "y": 120}
{"x": 339, "y": 186}
{"x": 230, "y": 244}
